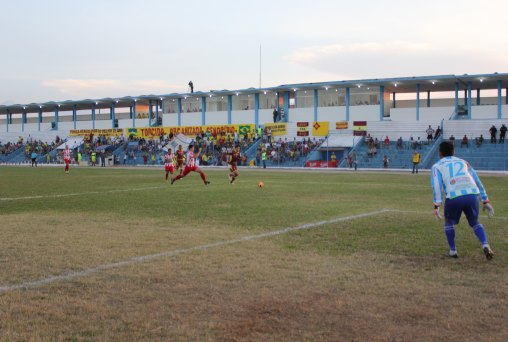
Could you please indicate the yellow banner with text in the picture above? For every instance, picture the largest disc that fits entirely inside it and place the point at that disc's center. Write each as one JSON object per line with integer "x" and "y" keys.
{"x": 191, "y": 131}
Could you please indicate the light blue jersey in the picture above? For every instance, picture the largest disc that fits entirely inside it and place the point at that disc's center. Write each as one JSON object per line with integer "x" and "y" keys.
{"x": 455, "y": 177}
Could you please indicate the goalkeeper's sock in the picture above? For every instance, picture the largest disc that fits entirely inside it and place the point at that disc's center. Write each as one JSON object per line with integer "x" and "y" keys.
{"x": 450, "y": 236}
{"x": 481, "y": 234}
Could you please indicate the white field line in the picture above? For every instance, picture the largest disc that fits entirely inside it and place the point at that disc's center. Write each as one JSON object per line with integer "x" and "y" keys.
{"x": 145, "y": 258}
{"x": 80, "y": 193}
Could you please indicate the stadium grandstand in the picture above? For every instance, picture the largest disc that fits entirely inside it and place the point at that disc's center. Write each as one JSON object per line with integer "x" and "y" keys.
{"x": 298, "y": 125}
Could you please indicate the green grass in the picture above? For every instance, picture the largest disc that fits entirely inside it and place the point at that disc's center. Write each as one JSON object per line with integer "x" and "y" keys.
{"x": 97, "y": 216}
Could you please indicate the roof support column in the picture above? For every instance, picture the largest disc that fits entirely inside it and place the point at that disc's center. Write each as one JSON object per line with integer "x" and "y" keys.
{"x": 230, "y": 108}
{"x": 478, "y": 96}
{"x": 74, "y": 115}
{"x": 157, "y": 113}
{"x": 133, "y": 113}
{"x": 56, "y": 118}
{"x": 348, "y": 100}
{"x": 203, "y": 110}
{"x": 456, "y": 97}
{"x": 469, "y": 104}
{"x": 179, "y": 115}
{"x": 286, "y": 106}
{"x": 315, "y": 105}
{"x": 418, "y": 102}
{"x": 428, "y": 98}
{"x": 394, "y": 102}
{"x": 7, "y": 120}
{"x": 256, "y": 109}
{"x": 112, "y": 114}
{"x": 506, "y": 96}
{"x": 39, "y": 119}
{"x": 23, "y": 120}
{"x": 465, "y": 97}
{"x": 381, "y": 103}
{"x": 150, "y": 113}
{"x": 93, "y": 115}
{"x": 499, "y": 100}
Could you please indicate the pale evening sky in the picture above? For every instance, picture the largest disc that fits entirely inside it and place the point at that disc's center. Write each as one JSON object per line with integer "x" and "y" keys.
{"x": 55, "y": 50}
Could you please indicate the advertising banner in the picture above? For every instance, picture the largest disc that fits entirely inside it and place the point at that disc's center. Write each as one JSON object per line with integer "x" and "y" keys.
{"x": 341, "y": 125}
{"x": 111, "y": 132}
{"x": 191, "y": 131}
{"x": 302, "y": 129}
{"x": 320, "y": 128}
{"x": 277, "y": 128}
{"x": 359, "y": 128}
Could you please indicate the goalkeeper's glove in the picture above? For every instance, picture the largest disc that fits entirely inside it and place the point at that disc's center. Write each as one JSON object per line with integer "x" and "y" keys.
{"x": 488, "y": 208}
{"x": 437, "y": 215}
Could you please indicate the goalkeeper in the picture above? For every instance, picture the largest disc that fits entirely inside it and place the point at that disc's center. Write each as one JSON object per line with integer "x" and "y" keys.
{"x": 457, "y": 181}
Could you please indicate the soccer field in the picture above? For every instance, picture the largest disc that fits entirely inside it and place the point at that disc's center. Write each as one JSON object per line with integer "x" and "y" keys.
{"x": 119, "y": 254}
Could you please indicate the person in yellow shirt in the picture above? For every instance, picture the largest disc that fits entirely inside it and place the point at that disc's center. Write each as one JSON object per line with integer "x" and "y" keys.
{"x": 204, "y": 159}
{"x": 416, "y": 161}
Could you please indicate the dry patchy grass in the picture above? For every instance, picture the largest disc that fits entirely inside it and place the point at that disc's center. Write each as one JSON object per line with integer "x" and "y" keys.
{"x": 256, "y": 291}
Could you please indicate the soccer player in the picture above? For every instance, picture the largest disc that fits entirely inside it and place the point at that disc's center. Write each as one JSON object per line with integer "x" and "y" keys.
{"x": 180, "y": 158}
{"x": 168, "y": 163}
{"x": 191, "y": 166}
{"x": 67, "y": 158}
{"x": 462, "y": 190}
{"x": 233, "y": 168}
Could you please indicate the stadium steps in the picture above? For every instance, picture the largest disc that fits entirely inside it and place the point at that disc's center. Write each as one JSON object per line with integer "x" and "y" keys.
{"x": 14, "y": 155}
{"x": 488, "y": 156}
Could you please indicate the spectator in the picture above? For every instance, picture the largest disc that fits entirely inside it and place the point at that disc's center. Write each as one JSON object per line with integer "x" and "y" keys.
{"x": 416, "y": 161}
{"x": 354, "y": 160}
{"x": 125, "y": 156}
{"x": 204, "y": 159}
{"x": 399, "y": 143}
{"x": 438, "y": 132}
{"x": 479, "y": 141}
{"x": 349, "y": 161}
{"x": 493, "y": 133}
{"x": 334, "y": 159}
{"x": 452, "y": 139}
{"x": 275, "y": 115}
{"x": 430, "y": 132}
{"x": 387, "y": 142}
{"x": 464, "y": 141}
{"x": 502, "y": 133}
{"x": 386, "y": 160}
{"x": 145, "y": 158}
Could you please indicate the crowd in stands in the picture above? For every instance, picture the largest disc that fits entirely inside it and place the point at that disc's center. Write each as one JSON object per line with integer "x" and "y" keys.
{"x": 8, "y": 148}
{"x": 280, "y": 151}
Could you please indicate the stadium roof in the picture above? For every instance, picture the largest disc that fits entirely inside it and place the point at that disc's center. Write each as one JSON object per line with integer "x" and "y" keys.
{"x": 438, "y": 83}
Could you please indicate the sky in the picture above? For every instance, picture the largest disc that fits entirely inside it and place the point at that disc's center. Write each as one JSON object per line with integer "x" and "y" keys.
{"x": 55, "y": 50}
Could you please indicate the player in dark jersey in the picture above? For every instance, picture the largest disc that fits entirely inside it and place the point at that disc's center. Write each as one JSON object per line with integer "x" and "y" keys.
{"x": 233, "y": 164}
{"x": 180, "y": 158}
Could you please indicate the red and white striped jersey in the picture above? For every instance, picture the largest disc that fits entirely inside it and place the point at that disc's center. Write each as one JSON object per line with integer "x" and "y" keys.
{"x": 67, "y": 154}
{"x": 191, "y": 159}
{"x": 168, "y": 159}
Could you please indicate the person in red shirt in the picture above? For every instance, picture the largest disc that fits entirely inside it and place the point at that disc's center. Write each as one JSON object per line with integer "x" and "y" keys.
{"x": 387, "y": 142}
{"x": 67, "y": 158}
{"x": 191, "y": 166}
{"x": 233, "y": 164}
{"x": 168, "y": 163}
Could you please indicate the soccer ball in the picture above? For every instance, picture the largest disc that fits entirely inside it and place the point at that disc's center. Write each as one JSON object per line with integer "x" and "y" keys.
{"x": 261, "y": 184}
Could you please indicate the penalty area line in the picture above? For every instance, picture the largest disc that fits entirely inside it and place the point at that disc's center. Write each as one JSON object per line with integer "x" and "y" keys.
{"x": 146, "y": 258}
